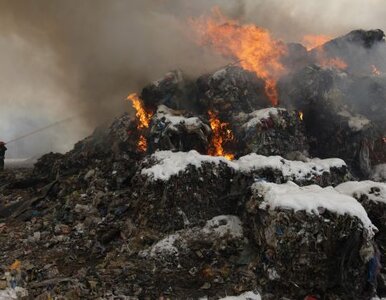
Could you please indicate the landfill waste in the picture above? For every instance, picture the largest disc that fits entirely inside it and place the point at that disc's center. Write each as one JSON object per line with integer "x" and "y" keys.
{"x": 209, "y": 192}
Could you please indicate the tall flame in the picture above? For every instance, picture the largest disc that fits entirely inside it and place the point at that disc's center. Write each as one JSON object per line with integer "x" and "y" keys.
{"x": 313, "y": 41}
{"x": 254, "y": 47}
{"x": 143, "y": 119}
{"x": 141, "y": 114}
{"x": 220, "y": 134}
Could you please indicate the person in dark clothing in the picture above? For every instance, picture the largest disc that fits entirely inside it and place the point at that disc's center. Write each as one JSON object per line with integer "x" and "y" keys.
{"x": 2, "y": 155}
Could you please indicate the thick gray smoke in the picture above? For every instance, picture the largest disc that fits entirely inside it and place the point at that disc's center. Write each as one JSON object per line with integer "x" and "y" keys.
{"x": 64, "y": 58}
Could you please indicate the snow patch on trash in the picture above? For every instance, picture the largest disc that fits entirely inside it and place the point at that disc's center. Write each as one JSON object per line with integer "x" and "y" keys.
{"x": 311, "y": 199}
{"x": 290, "y": 169}
{"x": 172, "y": 163}
{"x": 256, "y": 117}
{"x": 244, "y": 296}
{"x": 174, "y": 119}
{"x": 16, "y": 293}
{"x": 217, "y": 228}
{"x": 375, "y": 191}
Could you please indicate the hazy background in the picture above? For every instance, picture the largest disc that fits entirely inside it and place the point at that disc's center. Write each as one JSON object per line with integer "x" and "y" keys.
{"x": 63, "y": 58}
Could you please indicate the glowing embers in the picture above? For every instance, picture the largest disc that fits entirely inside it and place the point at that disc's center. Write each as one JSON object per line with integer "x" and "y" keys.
{"x": 143, "y": 118}
{"x": 313, "y": 41}
{"x": 375, "y": 70}
{"x": 221, "y": 133}
{"x": 301, "y": 115}
{"x": 253, "y": 47}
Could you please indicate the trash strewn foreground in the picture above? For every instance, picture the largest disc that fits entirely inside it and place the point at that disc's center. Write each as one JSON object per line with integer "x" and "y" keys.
{"x": 210, "y": 192}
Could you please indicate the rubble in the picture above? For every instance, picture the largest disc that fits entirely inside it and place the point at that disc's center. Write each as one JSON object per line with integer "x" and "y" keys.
{"x": 212, "y": 192}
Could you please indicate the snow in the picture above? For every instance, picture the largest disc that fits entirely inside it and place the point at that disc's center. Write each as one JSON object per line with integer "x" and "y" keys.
{"x": 172, "y": 163}
{"x": 244, "y": 296}
{"x": 375, "y": 191}
{"x": 216, "y": 228}
{"x": 172, "y": 117}
{"x": 310, "y": 199}
{"x": 295, "y": 170}
{"x": 10, "y": 294}
{"x": 258, "y": 116}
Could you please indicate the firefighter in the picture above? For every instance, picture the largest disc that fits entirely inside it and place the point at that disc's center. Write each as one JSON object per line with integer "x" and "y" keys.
{"x": 2, "y": 155}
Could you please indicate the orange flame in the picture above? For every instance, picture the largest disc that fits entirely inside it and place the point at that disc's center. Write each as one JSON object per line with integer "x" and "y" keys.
{"x": 301, "y": 115}
{"x": 313, "y": 41}
{"x": 375, "y": 71}
{"x": 253, "y": 47}
{"x": 333, "y": 62}
{"x": 142, "y": 116}
{"x": 221, "y": 133}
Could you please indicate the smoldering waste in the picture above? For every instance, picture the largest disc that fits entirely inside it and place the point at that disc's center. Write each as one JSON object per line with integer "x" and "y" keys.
{"x": 209, "y": 192}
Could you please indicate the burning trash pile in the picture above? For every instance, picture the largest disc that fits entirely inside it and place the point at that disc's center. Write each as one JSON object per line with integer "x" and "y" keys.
{"x": 239, "y": 182}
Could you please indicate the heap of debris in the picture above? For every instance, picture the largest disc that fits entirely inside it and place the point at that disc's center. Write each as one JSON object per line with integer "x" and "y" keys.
{"x": 210, "y": 191}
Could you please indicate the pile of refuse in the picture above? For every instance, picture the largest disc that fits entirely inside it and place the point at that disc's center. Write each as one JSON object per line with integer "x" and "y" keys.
{"x": 210, "y": 192}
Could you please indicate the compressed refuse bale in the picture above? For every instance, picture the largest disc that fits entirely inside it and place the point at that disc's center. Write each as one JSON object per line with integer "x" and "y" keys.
{"x": 310, "y": 232}
{"x": 231, "y": 90}
{"x": 173, "y": 90}
{"x": 333, "y": 125}
{"x": 372, "y": 195}
{"x": 271, "y": 131}
{"x": 174, "y": 190}
{"x": 173, "y": 130}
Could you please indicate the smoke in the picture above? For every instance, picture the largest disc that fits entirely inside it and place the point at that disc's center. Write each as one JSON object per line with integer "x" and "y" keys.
{"x": 65, "y": 58}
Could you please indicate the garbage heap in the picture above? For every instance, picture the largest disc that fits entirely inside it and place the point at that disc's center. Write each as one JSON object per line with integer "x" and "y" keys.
{"x": 208, "y": 191}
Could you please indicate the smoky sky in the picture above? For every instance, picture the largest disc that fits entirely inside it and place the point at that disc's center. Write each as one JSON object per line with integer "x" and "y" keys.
{"x": 63, "y": 58}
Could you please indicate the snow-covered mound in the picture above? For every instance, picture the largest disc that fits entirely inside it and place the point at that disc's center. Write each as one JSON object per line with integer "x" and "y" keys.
{"x": 311, "y": 199}
{"x": 375, "y": 191}
{"x": 172, "y": 163}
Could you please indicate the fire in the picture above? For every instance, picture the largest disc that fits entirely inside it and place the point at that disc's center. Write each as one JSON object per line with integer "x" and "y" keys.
{"x": 375, "y": 71}
{"x": 313, "y": 41}
{"x": 253, "y": 47}
{"x": 301, "y": 116}
{"x": 143, "y": 119}
{"x": 142, "y": 116}
{"x": 221, "y": 134}
{"x": 334, "y": 62}
{"x": 142, "y": 144}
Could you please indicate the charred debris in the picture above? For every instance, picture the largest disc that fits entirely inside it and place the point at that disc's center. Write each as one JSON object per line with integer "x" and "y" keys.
{"x": 211, "y": 191}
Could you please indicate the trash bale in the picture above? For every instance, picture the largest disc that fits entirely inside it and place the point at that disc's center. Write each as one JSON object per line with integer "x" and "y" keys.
{"x": 372, "y": 195}
{"x": 212, "y": 259}
{"x": 271, "y": 131}
{"x": 173, "y": 90}
{"x": 172, "y": 191}
{"x": 333, "y": 126}
{"x": 232, "y": 90}
{"x": 304, "y": 233}
{"x": 324, "y": 172}
{"x": 178, "y": 131}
